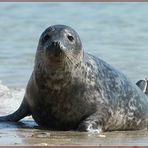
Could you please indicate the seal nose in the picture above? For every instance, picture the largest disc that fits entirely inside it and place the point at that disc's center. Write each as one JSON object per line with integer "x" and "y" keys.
{"x": 56, "y": 46}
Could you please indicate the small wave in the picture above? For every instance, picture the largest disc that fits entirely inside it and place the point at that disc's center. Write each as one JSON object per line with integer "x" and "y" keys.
{"x": 10, "y": 99}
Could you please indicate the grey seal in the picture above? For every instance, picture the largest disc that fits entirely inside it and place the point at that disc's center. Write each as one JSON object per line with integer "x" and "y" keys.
{"x": 70, "y": 89}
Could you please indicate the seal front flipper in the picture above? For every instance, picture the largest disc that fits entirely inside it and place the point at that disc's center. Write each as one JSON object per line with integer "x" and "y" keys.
{"x": 93, "y": 123}
{"x": 143, "y": 85}
{"x": 22, "y": 112}
{"x": 90, "y": 126}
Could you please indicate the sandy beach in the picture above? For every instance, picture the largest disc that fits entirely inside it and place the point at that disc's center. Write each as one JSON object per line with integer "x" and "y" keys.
{"x": 27, "y": 133}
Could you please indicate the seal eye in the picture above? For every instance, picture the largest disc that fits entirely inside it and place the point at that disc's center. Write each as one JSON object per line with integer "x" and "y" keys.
{"x": 70, "y": 38}
{"x": 45, "y": 38}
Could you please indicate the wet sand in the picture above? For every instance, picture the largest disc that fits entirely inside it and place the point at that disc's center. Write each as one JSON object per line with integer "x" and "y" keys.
{"x": 28, "y": 133}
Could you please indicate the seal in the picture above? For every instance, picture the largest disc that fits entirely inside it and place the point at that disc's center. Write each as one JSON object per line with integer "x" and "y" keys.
{"x": 70, "y": 89}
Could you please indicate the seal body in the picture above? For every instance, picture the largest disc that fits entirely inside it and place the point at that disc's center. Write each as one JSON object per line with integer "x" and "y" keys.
{"x": 70, "y": 89}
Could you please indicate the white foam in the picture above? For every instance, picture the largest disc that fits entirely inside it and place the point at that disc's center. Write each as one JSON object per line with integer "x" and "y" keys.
{"x": 10, "y": 99}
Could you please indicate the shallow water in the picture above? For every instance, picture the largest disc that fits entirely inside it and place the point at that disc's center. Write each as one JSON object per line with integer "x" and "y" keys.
{"x": 115, "y": 32}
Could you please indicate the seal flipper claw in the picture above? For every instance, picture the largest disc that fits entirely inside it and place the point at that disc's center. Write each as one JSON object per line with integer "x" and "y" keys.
{"x": 143, "y": 85}
{"x": 22, "y": 112}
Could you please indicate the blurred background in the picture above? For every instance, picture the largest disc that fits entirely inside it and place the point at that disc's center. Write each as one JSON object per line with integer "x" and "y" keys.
{"x": 115, "y": 32}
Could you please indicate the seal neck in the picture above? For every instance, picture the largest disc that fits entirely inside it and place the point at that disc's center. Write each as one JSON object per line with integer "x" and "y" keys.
{"x": 50, "y": 77}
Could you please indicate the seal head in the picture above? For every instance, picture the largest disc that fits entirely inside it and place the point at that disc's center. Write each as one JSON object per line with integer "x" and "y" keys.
{"x": 59, "y": 41}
